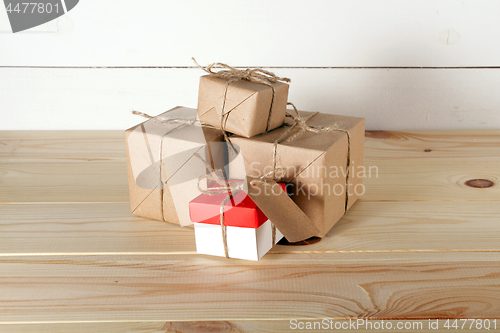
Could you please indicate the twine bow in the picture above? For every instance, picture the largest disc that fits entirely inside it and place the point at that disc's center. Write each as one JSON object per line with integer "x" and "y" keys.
{"x": 263, "y": 179}
{"x": 231, "y": 187}
{"x": 301, "y": 124}
{"x": 225, "y": 186}
{"x": 256, "y": 75}
{"x": 174, "y": 120}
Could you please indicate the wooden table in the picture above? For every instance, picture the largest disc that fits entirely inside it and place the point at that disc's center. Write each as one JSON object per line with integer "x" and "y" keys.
{"x": 423, "y": 242}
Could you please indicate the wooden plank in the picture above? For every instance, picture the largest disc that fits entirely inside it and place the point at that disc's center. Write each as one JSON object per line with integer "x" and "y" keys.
{"x": 84, "y": 146}
{"x": 63, "y": 182}
{"x": 330, "y": 33}
{"x": 420, "y": 244}
{"x": 431, "y": 179}
{"x": 436, "y": 179}
{"x": 278, "y": 287}
{"x": 254, "y": 326}
{"x": 62, "y": 146}
{"x": 390, "y": 99}
{"x": 87, "y": 229}
{"x": 381, "y": 227}
{"x": 416, "y": 226}
{"x": 396, "y": 145}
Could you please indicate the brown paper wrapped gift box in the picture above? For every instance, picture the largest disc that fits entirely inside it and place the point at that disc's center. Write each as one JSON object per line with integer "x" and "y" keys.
{"x": 147, "y": 197}
{"x": 247, "y": 104}
{"x": 316, "y": 165}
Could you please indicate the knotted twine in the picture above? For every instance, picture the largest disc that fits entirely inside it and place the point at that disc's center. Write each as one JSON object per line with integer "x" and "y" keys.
{"x": 255, "y": 75}
{"x": 225, "y": 186}
{"x": 180, "y": 122}
{"x": 230, "y": 187}
{"x": 301, "y": 124}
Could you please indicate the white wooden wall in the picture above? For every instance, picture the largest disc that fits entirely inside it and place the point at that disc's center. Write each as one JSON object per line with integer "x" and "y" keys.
{"x": 400, "y": 64}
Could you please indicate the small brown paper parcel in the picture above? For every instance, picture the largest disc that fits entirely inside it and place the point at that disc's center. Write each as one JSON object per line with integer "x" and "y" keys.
{"x": 248, "y": 105}
{"x": 316, "y": 166}
{"x": 165, "y": 157}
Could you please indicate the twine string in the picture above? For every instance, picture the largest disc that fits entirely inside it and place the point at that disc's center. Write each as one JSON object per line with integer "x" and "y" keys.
{"x": 263, "y": 180}
{"x": 301, "y": 122}
{"x": 181, "y": 122}
{"x": 231, "y": 187}
{"x": 224, "y": 185}
{"x": 255, "y": 75}
{"x": 175, "y": 120}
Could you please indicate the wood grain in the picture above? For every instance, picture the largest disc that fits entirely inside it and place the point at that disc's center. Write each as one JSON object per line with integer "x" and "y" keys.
{"x": 436, "y": 179}
{"x": 396, "y": 145}
{"x": 401, "y": 168}
{"x": 62, "y": 146}
{"x": 379, "y": 227}
{"x": 431, "y": 179}
{"x": 419, "y": 244}
{"x": 63, "y": 182}
{"x": 95, "y": 146}
{"x": 104, "y": 288}
{"x": 86, "y": 229}
{"x": 254, "y": 326}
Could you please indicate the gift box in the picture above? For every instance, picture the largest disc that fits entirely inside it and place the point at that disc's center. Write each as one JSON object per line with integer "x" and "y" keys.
{"x": 250, "y": 107}
{"x": 165, "y": 157}
{"x": 316, "y": 164}
{"x": 248, "y": 230}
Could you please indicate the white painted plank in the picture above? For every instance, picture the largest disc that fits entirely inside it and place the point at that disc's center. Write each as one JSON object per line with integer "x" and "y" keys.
{"x": 49, "y": 27}
{"x": 332, "y": 33}
{"x": 390, "y": 99}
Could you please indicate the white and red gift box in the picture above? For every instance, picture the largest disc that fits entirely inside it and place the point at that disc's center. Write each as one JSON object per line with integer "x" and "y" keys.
{"x": 248, "y": 230}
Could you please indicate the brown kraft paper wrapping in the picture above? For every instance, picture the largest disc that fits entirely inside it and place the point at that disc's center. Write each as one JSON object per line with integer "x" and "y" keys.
{"x": 281, "y": 210}
{"x": 247, "y": 103}
{"x": 316, "y": 166}
{"x": 147, "y": 197}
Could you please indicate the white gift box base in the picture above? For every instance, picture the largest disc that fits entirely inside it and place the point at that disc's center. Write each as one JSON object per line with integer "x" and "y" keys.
{"x": 242, "y": 243}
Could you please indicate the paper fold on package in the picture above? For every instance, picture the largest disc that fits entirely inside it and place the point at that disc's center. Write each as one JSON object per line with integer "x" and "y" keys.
{"x": 248, "y": 104}
{"x": 170, "y": 156}
{"x": 275, "y": 203}
{"x": 316, "y": 166}
{"x": 288, "y": 218}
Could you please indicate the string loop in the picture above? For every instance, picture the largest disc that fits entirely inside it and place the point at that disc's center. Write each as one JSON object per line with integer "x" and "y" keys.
{"x": 255, "y": 75}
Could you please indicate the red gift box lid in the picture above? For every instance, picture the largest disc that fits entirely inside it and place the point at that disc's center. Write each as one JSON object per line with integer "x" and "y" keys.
{"x": 241, "y": 211}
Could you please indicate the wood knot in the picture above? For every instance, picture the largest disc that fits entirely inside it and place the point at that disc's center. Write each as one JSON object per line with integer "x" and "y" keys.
{"x": 428, "y": 150}
{"x": 479, "y": 183}
{"x": 309, "y": 241}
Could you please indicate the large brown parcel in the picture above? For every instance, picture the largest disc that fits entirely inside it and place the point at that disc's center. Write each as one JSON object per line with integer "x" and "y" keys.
{"x": 162, "y": 191}
{"x": 316, "y": 165}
